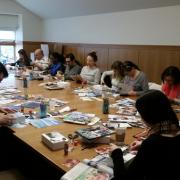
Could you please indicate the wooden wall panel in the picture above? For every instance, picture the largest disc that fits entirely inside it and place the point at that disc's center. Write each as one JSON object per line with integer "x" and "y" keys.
{"x": 32, "y": 46}
{"x": 56, "y": 47}
{"x": 154, "y": 62}
{"x": 122, "y": 55}
{"x": 151, "y": 59}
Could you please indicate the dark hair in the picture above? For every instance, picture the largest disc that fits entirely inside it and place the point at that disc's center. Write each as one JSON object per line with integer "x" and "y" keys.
{"x": 56, "y": 57}
{"x": 172, "y": 71}
{"x": 3, "y": 70}
{"x": 25, "y": 57}
{"x": 71, "y": 56}
{"x": 155, "y": 108}
{"x": 93, "y": 55}
{"x": 118, "y": 65}
{"x": 128, "y": 65}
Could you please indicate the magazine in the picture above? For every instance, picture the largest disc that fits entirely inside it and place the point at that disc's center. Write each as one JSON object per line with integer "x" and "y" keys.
{"x": 57, "y": 85}
{"x": 100, "y": 167}
{"x": 95, "y": 132}
{"x": 127, "y": 102}
{"x": 83, "y": 171}
{"x": 81, "y": 118}
{"x": 125, "y": 110}
{"x": 44, "y": 122}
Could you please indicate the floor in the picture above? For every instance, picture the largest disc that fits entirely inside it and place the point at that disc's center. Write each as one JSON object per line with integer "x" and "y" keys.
{"x": 11, "y": 174}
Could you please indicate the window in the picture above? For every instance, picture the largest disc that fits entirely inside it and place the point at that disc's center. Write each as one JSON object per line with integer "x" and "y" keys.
{"x": 7, "y": 35}
{"x": 7, "y": 44}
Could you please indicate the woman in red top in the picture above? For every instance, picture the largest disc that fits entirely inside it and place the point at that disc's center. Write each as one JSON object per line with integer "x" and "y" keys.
{"x": 171, "y": 83}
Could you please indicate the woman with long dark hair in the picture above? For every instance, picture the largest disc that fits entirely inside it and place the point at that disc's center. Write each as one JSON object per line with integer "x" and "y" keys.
{"x": 23, "y": 60}
{"x": 56, "y": 63}
{"x": 171, "y": 83}
{"x": 158, "y": 156}
{"x": 135, "y": 79}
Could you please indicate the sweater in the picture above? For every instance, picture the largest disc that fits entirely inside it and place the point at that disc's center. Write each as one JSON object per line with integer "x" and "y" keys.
{"x": 157, "y": 159}
{"x": 91, "y": 75}
{"x": 70, "y": 71}
{"x": 139, "y": 84}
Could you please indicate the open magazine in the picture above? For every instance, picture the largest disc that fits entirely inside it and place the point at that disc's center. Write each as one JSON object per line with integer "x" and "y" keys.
{"x": 95, "y": 132}
{"x": 83, "y": 171}
{"x": 81, "y": 118}
{"x": 100, "y": 167}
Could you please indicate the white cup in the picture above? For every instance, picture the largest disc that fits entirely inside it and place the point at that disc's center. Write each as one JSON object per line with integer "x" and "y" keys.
{"x": 120, "y": 135}
{"x": 52, "y": 104}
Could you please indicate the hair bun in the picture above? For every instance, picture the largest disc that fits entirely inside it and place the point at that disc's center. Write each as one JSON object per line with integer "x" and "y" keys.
{"x": 93, "y": 52}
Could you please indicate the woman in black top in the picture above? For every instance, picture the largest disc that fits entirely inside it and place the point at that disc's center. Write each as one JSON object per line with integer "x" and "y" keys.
{"x": 23, "y": 60}
{"x": 158, "y": 156}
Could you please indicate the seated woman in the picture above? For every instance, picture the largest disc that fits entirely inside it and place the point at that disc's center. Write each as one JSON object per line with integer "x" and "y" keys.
{"x": 23, "y": 60}
{"x": 158, "y": 156}
{"x": 56, "y": 63}
{"x": 171, "y": 83}
{"x": 135, "y": 79}
{"x": 116, "y": 76}
{"x": 90, "y": 73}
{"x": 72, "y": 67}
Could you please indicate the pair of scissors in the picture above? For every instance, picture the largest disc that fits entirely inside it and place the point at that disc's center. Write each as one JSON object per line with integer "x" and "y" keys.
{"x": 72, "y": 136}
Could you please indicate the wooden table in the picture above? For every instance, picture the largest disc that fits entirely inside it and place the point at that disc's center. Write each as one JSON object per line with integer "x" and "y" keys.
{"x": 31, "y": 136}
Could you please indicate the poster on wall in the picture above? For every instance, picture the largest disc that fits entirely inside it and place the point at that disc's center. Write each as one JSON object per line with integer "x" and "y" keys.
{"x": 32, "y": 56}
{"x": 45, "y": 49}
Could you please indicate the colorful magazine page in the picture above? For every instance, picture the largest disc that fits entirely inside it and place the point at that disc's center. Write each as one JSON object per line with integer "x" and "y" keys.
{"x": 80, "y": 118}
{"x": 125, "y": 110}
{"x": 122, "y": 118}
{"x": 44, "y": 122}
{"x": 31, "y": 104}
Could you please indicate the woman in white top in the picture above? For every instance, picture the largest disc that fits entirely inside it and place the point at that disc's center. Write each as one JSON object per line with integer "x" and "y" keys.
{"x": 114, "y": 78}
{"x": 90, "y": 73}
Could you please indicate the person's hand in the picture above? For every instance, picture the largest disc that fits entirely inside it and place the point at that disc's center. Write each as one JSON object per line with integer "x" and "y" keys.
{"x": 73, "y": 77}
{"x": 6, "y": 119}
{"x": 84, "y": 81}
{"x": 113, "y": 147}
{"x": 7, "y": 110}
{"x": 102, "y": 82}
{"x": 134, "y": 146}
{"x": 132, "y": 93}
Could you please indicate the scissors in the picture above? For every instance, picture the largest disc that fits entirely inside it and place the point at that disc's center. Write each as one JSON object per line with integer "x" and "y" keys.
{"x": 72, "y": 136}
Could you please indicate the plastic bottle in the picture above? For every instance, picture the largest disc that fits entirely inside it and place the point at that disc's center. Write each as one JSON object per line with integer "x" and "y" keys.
{"x": 25, "y": 86}
{"x": 31, "y": 75}
{"x": 43, "y": 109}
{"x": 105, "y": 105}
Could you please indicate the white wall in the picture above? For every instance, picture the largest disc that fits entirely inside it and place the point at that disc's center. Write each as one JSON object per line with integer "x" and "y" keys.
{"x": 156, "y": 26}
{"x": 31, "y": 24}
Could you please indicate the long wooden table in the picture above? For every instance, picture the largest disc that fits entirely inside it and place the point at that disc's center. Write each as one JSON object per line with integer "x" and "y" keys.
{"x": 31, "y": 136}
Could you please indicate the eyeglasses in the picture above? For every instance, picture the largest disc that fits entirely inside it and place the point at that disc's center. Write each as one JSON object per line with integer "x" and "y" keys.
{"x": 127, "y": 68}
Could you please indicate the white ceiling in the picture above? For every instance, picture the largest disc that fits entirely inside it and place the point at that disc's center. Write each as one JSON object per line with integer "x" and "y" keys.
{"x": 70, "y": 8}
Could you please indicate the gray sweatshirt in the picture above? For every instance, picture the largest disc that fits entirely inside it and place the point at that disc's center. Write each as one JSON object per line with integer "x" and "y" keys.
{"x": 140, "y": 84}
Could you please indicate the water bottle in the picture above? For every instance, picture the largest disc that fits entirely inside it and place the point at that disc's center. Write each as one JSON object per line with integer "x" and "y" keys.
{"x": 105, "y": 105}
{"x": 43, "y": 109}
{"x": 30, "y": 75}
{"x": 25, "y": 86}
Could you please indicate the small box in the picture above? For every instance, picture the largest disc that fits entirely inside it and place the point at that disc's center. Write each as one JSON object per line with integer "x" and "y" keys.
{"x": 54, "y": 140}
